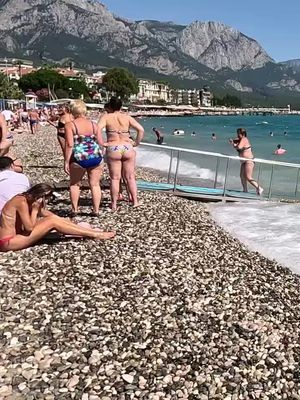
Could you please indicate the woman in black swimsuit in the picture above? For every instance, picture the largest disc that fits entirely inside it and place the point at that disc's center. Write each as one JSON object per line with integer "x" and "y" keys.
{"x": 65, "y": 116}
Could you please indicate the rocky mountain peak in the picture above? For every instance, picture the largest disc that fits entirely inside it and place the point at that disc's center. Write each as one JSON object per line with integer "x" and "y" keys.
{"x": 218, "y": 46}
{"x": 87, "y": 32}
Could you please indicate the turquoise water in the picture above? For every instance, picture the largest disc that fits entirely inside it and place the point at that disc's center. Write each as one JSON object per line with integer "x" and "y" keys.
{"x": 258, "y": 128}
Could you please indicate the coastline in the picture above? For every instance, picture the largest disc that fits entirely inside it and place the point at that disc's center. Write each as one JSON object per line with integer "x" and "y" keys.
{"x": 173, "y": 308}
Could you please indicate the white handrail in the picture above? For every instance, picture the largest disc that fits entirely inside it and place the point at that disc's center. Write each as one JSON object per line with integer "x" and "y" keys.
{"x": 220, "y": 155}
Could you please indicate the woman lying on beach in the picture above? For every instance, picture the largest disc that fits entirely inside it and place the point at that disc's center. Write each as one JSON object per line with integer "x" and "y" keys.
{"x": 120, "y": 152}
{"x": 24, "y": 221}
{"x": 244, "y": 148}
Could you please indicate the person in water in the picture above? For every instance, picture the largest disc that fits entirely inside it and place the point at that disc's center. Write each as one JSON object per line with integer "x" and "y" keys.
{"x": 271, "y": 134}
{"x": 83, "y": 154}
{"x": 279, "y": 151}
{"x": 120, "y": 150}
{"x": 244, "y": 149}
{"x": 159, "y": 136}
{"x": 285, "y": 133}
{"x": 25, "y": 220}
{"x": 213, "y": 136}
{"x": 193, "y": 134}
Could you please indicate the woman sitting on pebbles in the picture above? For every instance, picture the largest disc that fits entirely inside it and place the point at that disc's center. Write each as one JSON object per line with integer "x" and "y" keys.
{"x": 24, "y": 221}
{"x": 83, "y": 154}
{"x": 120, "y": 152}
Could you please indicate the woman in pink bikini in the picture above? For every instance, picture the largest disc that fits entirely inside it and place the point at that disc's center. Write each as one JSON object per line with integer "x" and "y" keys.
{"x": 24, "y": 221}
{"x": 120, "y": 152}
{"x": 244, "y": 149}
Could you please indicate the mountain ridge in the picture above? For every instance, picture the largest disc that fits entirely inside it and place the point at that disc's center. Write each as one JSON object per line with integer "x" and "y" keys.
{"x": 86, "y": 31}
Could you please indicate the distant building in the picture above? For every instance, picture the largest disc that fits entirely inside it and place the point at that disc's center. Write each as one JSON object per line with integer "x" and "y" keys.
{"x": 153, "y": 91}
{"x": 206, "y": 97}
{"x": 193, "y": 97}
{"x": 71, "y": 72}
{"x": 15, "y": 69}
{"x": 95, "y": 79}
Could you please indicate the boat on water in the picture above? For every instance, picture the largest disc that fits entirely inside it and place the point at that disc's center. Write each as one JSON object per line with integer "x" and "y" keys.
{"x": 178, "y": 132}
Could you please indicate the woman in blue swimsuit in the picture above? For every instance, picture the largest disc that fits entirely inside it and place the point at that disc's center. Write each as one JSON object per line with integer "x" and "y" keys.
{"x": 83, "y": 154}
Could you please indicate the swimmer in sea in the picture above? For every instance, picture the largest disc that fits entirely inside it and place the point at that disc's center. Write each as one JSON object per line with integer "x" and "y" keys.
{"x": 271, "y": 134}
{"x": 279, "y": 151}
{"x": 159, "y": 136}
{"x": 193, "y": 134}
{"x": 213, "y": 136}
{"x": 285, "y": 133}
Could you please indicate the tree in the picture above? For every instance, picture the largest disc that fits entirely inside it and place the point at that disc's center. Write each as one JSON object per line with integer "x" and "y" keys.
{"x": 8, "y": 89}
{"x": 76, "y": 88}
{"x": 228, "y": 100}
{"x": 232, "y": 101}
{"x": 121, "y": 82}
{"x": 41, "y": 79}
{"x": 45, "y": 77}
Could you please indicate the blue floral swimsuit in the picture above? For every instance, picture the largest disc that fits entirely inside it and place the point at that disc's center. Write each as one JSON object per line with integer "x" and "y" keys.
{"x": 86, "y": 150}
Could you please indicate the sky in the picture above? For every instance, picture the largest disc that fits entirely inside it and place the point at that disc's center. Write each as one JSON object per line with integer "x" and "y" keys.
{"x": 273, "y": 23}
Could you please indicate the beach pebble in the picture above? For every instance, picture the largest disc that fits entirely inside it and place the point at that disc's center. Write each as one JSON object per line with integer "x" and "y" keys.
{"x": 172, "y": 308}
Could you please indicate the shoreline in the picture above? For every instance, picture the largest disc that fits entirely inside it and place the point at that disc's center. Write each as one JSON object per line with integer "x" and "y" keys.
{"x": 173, "y": 308}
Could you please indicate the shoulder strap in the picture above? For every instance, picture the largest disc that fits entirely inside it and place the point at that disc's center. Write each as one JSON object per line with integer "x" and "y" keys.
{"x": 93, "y": 125}
{"x": 76, "y": 129}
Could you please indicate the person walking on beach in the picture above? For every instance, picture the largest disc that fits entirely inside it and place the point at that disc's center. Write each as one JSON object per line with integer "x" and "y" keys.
{"x": 25, "y": 220}
{"x": 244, "y": 149}
{"x": 33, "y": 120}
{"x": 24, "y": 118}
{"x": 9, "y": 117}
{"x": 65, "y": 117}
{"x": 120, "y": 152}
{"x": 83, "y": 154}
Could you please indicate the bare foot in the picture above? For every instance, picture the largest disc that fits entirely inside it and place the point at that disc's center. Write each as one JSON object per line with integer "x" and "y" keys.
{"x": 137, "y": 204}
{"x": 113, "y": 208}
{"x": 121, "y": 197}
{"x": 259, "y": 191}
{"x": 105, "y": 235}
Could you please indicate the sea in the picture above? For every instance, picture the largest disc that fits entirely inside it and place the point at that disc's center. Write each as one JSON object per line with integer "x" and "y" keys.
{"x": 271, "y": 228}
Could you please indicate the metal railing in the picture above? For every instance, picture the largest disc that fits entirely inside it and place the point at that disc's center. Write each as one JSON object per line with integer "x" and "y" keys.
{"x": 177, "y": 152}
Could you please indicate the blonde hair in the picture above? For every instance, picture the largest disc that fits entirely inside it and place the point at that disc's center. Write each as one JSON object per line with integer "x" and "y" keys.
{"x": 78, "y": 108}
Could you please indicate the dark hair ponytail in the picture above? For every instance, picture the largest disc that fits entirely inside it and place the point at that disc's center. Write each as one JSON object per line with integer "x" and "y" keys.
{"x": 39, "y": 191}
{"x": 115, "y": 104}
{"x": 242, "y": 131}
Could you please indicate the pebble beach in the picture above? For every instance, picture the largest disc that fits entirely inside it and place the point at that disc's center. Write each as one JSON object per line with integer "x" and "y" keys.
{"x": 172, "y": 308}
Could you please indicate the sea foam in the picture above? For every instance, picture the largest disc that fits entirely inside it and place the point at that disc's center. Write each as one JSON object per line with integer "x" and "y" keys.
{"x": 273, "y": 229}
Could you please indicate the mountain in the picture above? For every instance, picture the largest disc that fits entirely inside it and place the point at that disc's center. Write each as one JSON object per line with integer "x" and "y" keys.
{"x": 88, "y": 33}
{"x": 294, "y": 64}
